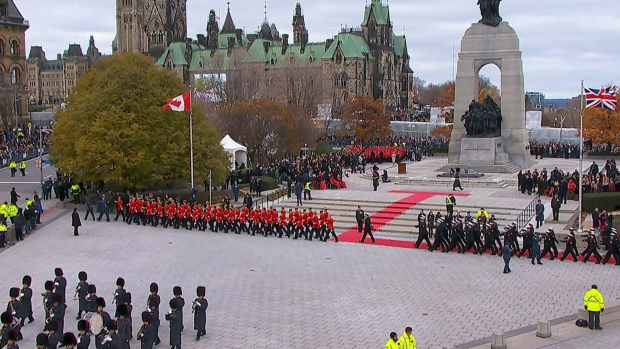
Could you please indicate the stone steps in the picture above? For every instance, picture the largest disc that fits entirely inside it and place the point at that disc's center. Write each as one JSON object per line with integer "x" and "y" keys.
{"x": 447, "y": 182}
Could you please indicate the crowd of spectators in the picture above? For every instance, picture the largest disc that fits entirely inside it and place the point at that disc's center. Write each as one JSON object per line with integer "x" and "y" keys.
{"x": 598, "y": 180}
{"x": 554, "y": 150}
{"x": 21, "y": 142}
{"x": 417, "y": 116}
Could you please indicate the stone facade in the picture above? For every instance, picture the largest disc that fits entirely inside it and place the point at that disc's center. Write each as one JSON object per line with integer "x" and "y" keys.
{"x": 51, "y": 81}
{"x": 149, "y": 26}
{"x": 367, "y": 60}
{"x": 13, "y": 92}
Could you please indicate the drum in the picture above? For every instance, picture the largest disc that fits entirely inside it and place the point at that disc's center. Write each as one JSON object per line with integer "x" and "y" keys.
{"x": 15, "y": 324}
{"x": 96, "y": 322}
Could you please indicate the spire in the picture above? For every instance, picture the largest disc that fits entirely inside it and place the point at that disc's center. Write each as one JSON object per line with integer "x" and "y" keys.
{"x": 265, "y": 19}
{"x": 229, "y": 25}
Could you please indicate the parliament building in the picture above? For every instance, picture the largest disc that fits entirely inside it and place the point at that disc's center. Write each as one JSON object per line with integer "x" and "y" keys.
{"x": 366, "y": 60}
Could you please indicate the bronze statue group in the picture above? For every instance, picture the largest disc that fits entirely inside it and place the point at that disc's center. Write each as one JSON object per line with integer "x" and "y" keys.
{"x": 94, "y": 323}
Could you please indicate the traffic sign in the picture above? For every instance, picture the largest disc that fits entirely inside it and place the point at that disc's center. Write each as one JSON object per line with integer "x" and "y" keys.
{"x": 47, "y": 161}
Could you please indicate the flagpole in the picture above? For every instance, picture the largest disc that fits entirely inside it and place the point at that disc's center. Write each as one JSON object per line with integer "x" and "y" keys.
{"x": 581, "y": 159}
{"x": 191, "y": 137}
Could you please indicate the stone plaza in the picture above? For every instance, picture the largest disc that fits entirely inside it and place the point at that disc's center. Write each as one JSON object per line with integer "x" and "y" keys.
{"x": 281, "y": 293}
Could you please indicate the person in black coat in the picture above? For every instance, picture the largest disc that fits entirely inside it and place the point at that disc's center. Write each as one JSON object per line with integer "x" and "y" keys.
{"x": 367, "y": 229}
{"x": 175, "y": 324}
{"x": 75, "y": 221}
{"x": 506, "y": 255}
{"x": 26, "y": 296}
{"x": 82, "y": 293}
{"x": 83, "y": 337}
{"x": 199, "y": 307}
{"x": 146, "y": 333}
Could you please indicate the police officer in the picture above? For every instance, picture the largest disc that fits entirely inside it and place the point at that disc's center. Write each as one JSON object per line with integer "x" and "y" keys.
{"x": 392, "y": 343}
{"x": 13, "y": 168}
{"x": 22, "y": 168}
{"x": 594, "y": 303}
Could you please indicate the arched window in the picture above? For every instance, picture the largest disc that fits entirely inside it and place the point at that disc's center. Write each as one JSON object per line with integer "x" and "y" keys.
{"x": 338, "y": 57}
{"x": 14, "y": 76}
{"x": 343, "y": 80}
{"x": 336, "y": 80}
{"x": 14, "y": 49}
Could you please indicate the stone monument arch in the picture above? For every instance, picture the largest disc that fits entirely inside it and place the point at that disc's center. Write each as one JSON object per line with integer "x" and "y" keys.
{"x": 481, "y": 45}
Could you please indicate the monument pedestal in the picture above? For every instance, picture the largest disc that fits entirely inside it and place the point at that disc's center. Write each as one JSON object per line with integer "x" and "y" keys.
{"x": 483, "y": 152}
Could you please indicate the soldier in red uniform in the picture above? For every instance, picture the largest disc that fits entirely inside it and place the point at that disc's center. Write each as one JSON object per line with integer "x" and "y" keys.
{"x": 282, "y": 224}
{"x": 141, "y": 210}
{"x": 120, "y": 208}
{"x": 330, "y": 228}
{"x": 133, "y": 210}
{"x": 159, "y": 217}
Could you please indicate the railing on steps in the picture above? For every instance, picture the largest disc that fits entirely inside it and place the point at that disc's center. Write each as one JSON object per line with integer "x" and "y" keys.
{"x": 528, "y": 213}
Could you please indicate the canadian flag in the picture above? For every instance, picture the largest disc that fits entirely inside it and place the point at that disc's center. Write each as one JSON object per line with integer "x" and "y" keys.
{"x": 179, "y": 103}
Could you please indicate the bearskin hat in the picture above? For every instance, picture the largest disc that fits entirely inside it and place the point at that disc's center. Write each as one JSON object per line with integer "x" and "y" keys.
{"x": 120, "y": 282}
{"x": 69, "y": 339}
{"x": 12, "y": 335}
{"x": 174, "y": 304}
{"x": 56, "y": 298}
{"x": 51, "y": 326}
{"x": 177, "y": 291}
{"x": 49, "y": 285}
{"x": 111, "y": 325}
{"x": 26, "y": 280}
{"x": 58, "y": 272}
{"x": 146, "y": 316}
{"x": 122, "y": 310}
{"x": 82, "y": 276}
{"x": 128, "y": 298}
{"x": 83, "y": 325}
{"x": 6, "y": 318}
{"x": 153, "y": 302}
{"x": 154, "y": 288}
{"x": 42, "y": 339}
{"x": 100, "y": 302}
{"x": 92, "y": 289}
{"x": 14, "y": 292}
{"x": 201, "y": 291}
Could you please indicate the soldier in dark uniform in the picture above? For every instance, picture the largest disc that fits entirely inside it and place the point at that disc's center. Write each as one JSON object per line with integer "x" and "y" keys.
{"x": 571, "y": 246}
{"x": 175, "y": 325}
{"x": 69, "y": 340}
{"x": 47, "y": 301}
{"x": 146, "y": 333}
{"x": 488, "y": 240}
{"x": 359, "y": 218}
{"x": 440, "y": 236}
{"x": 367, "y": 230}
{"x": 119, "y": 294}
{"x": 91, "y": 299}
{"x": 15, "y": 306}
{"x": 60, "y": 284}
{"x": 42, "y": 341}
{"x": 592, "y": 248}
{"x": 514, "y": 242}
{"x": 527, "y": 241}
{"x": 111, "y": 340}
{"x": 82, "y": 293}
{"x": 53, "y": 336}
{"x": 153, "y": 304}
{"x": 178, "y": 292}
{"x": 9, "y": 339}
{"x": 127, "y": 302}
{"x": 57, "y": 312}
{"x": 83, "y": 337}
{"x": 26, "y": 297}
{"x": 199, "y": 308}
{"x": 124, "y": 329}
{"x": 550, "y": 244}
{"x": 106, "y": 320}
{"x": 422, "y": 232}
{"x": 456, "y": 240}
{"x": 7, "y": 325}
{"x": 614, "y": 248}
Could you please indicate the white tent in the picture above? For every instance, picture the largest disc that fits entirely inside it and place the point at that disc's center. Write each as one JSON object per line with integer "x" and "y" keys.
{"x": 238, "y": 152}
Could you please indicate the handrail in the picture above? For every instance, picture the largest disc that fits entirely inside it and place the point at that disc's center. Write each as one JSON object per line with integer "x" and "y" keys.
{"x": 526, "y": 215}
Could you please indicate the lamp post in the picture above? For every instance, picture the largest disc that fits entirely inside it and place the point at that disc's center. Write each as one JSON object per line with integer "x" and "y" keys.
{"x": 41, "y": 131}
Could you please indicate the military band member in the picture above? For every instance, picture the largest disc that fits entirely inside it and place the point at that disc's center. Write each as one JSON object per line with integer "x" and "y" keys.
{"x": 106, "y": 320}
{"x": 571, "y": 246}
{"x": 127, "y": 303}
{"x": 47, "y": 301}
{"x": 592, "y": 248}
{"x": 57, "y": 312}
{"x": 69, "y": 341}
{"x": 8, "y": 341}
{"x": 146, "y": 333}
{"x": 42, "y": 341}
{"x": 15, "y": 306}
{"x": 199, "y": 307}
{"x": 7, "y": 325}
{"x": 81, "y": 290}
{"x": 26, "y": 297}
{"x": 123, "y": 326}
{"x": 53, "y": 336}
{"x": 153, "y": 304}
{"x": 60, "y": 284}
{"x": 178, "y": 292}
{"x": 91, "y": 299}
{"x": 111, "y": 339}
{"x": 422, "y": 232}
{"x": 173, "y": 318}
{"x": 83, "y": 337}
{"x": 120, "y": 208}
{"x": 119, "y": 294}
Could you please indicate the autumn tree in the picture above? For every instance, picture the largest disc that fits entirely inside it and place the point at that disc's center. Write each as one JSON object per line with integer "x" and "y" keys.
{"x": 443, "y": 132}
{"x": 268, "y": 128}
{"x": 365, "y": 117}
{"x": 602, "y": 126}
{"x": 114, "y": 129}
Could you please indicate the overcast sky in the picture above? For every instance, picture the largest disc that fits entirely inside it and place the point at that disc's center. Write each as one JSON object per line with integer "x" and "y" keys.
{"x": 563, "y": 41}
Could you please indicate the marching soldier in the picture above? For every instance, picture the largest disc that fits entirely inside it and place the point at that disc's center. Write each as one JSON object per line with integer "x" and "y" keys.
{"x": 52, "y": 334}
{"x": 422, "y": 232}
{"x": 571, "y": 246}
{"x": 42, "y": 341}
{"x": 527, "y": 241}
{"x": 175, "y": 324}
{"x": 153, "y": 303}
{"x": 199, "y": 308}
{"x": 26, "y": 297}
{"x": 592, "y": 248}
{"x": 178, "y": 292}
{"x": 123, "y": 326}
{"x": 69, "y": 341}
{"x": 119, "y": 294}
{"x": 9, "y": 339}
{"x": 82, "y": 292}
{"x": 15, "y": 306}
{"x": 549, "y": 244}
{"x": 106, "y": 320}
{"x": 7, "y": 325}
{"x": 60, "y": 284}
{"x": 57, "y": 313}
{"x": 47, "y": 301}
{"x": 614, "y": 248}
{"x": 111, "y": 339}
{"x": 367, "y": 230}
{"x": 146, "y": 333}
{"x": 91, "y": 300}
{"x": 83, "y": 337}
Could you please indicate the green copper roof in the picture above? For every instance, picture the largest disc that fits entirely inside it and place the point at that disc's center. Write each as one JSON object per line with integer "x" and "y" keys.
{"x": 312, "y": 54}
{"x": 381, "y": 12}
{"x": 398, "y": 42}
{"x": 352, "y": 46}
{"x": 222, "y": 40}
{"x": 176, "y": 51}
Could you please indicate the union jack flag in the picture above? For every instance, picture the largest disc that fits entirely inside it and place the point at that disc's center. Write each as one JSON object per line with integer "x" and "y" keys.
{"x": 604, "y": 98}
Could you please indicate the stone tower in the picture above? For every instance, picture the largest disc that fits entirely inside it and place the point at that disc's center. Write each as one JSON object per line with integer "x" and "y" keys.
{"x": 213, "y": 31}
{"x": 300, "y": 33}
{"x": 149, "y": 26}
{"x": 377, "y": 26}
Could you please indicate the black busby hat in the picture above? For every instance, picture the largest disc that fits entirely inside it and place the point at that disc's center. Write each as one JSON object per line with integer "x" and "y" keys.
{"x": 201, "y": 291}
{"x": 69, "y": 339}
{"x": 122, "y": 310}
{"x": 177, "y": 291}
{"x": 12, "y": 335}
{"x": 58, "y": 272}
{"x": 153, "y": 302}
{"x": 6, "y": 318}
{"x": 56, "y": 298}
{"x": 82, "y": 276}
{"x": 146, "y": 316}
{"x": 120, "y": 282}
{"x": 100, "y": 302}
{"x": 83, "y": 325}
{"x": 92, "y": 288}
{"x": 111, "y": 325}
{"x": 174, "y": 304}
{"x": 51, "y": 326}
{"x": 42, "y": 339}
{"x": 49, "y": 285}
{"x": 26, "y": 280}
{"x": 14, "y": 292}
{"x": 128, "y": 298}
{"x": 154, "y": 287}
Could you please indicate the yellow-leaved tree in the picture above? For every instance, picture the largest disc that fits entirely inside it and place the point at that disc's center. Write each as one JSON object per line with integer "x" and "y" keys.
{"x": 115, "y": 130}
{"x": 602, "y": 126}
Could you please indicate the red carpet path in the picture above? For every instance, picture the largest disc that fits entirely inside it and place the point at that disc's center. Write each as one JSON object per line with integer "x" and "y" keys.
{"x": 399, "y": 207}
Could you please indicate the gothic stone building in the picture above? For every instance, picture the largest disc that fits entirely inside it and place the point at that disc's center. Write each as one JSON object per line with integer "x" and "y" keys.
{"x": 51, "y": 81}
{"x": 13, "y": 92}
{"x": 369, "y": 60}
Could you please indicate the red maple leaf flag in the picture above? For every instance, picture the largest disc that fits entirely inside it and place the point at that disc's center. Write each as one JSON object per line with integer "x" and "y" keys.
{"x": 179, "y": 103}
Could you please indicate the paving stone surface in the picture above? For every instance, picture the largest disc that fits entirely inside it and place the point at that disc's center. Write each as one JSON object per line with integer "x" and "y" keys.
{"x": 280, "y": 293}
